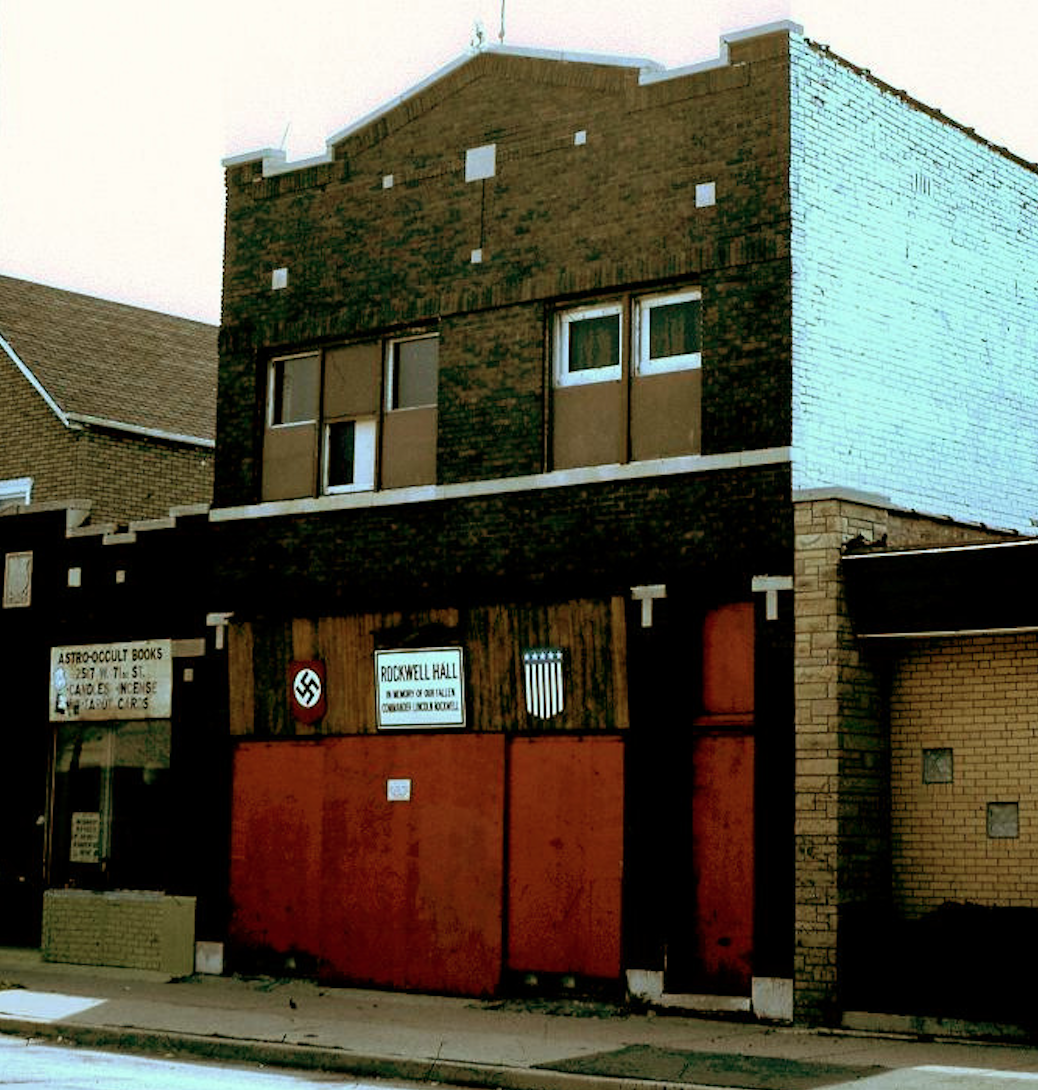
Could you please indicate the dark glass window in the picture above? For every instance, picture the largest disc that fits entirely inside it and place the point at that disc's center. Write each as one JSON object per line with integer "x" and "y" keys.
{"x": 674, "y": 329}
{"x": 113, "y": 806}
{"x": 415, "y": 367}
{"x": 594, "y": 342}
{"x": 295, "y": 390}
{"x": 342, "y": 446}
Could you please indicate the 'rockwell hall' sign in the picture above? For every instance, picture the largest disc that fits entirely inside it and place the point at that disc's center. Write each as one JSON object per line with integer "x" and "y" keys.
{"x": 421, "y": 688}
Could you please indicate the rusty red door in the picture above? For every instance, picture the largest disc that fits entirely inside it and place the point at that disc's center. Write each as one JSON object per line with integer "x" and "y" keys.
{"x": 378, "y": 859}
{"x": 722, "y": 806}
{"x": 722, "y": 864}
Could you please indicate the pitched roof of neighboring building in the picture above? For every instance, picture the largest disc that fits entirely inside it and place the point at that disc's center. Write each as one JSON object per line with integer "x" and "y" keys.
{"x": 107, "y": 364}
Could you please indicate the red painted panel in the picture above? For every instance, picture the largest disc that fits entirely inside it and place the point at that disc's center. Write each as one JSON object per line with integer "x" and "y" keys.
{"x": 412, "y": 890}
{"x": 276, "y": 846}
{"x": 728, "y": 660}
{"x": 722, "y": 860}
{"x": 565, "y": 855}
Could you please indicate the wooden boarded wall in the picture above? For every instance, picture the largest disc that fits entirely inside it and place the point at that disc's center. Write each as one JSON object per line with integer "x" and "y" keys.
{"x": 591, "y": 633}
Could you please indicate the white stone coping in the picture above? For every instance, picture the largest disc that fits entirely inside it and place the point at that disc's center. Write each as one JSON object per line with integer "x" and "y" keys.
{"x": 274, "y": 160}
{"x": 565, "y": 478}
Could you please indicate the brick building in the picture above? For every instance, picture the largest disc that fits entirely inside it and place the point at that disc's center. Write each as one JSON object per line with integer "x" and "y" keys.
{"x": 540, "y": 391}
{"x": 105, "y": 404}
{"x": 108, "y": 414}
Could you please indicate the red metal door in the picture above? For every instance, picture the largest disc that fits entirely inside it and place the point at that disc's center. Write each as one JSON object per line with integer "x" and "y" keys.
{"x": 412, "y": 886}
{"x": 722, "y": 807}
{"x": 276, "y": 849}
{"x": 722, "y": 863}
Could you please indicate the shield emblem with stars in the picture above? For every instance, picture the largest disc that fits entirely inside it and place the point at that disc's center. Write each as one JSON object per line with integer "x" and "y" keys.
{"x": 543, "y": 681}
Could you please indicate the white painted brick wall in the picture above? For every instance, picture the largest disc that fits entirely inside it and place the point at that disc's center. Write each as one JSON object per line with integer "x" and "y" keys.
{"x": 915, "y": 303}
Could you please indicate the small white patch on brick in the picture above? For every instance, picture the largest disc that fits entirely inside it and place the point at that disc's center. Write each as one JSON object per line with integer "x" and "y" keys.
{"x": 480, "y": 162}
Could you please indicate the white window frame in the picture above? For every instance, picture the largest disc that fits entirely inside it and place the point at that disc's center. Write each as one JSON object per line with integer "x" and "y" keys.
{"x": 390, "y": 357}
{"x": 643, "y": 305}
{"x": 272, "y": 386}
{"x": 365, "y": 441}
{"x": 563, "y": 320}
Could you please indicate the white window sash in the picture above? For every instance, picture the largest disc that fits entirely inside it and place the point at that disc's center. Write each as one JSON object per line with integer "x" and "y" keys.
{"x": 364, "y": 442}
{"x": 644, "y": 365}
{"x": 567, "y": 318}
{"x": 16, "y": 489}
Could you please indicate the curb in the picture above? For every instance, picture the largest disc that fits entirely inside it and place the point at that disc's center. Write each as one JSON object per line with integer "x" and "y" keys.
{"x": 333, "y": 1060}
{"x": 922, "y": 1027}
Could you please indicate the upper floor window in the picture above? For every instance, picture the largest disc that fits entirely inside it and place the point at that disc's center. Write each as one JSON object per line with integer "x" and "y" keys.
{"x": 15, "y": 490}
{"x": 628, "y": 379}
{"x": 669, "y": 332}
{"x": 412, "y": 372}
{"x": 667, "y": 336}
{"x": 294, "y": 390}
{"x": 330, "y": 428}
{"x": 589, "y": 344}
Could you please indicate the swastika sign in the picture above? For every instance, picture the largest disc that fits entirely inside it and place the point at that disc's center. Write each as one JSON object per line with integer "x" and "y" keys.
{"x": 306, "y": 691}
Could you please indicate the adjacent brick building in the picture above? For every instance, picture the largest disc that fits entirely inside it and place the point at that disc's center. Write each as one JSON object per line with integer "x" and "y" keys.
{"x": 105, "y": 404}
{"x": 108, "y": 416}
{"x": 946, "y": 629}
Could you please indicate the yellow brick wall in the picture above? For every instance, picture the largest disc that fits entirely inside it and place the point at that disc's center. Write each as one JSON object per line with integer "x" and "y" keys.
{"x": 977, "y": 696}
{"x": 842, "y": 822}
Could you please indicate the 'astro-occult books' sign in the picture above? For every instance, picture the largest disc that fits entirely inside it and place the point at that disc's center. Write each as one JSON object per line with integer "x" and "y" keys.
{"x": 111, "y": 681}
{"x": 420, "y": 688}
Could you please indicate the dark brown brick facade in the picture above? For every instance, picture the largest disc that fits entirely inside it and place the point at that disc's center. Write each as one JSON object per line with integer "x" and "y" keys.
{"x": 560, "y": 221}
{"x": 561, "y": 541}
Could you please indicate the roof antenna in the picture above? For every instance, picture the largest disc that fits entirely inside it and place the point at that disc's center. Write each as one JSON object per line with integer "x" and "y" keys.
{"x": 501, "y": 35}
{"x": 284, "y": 135}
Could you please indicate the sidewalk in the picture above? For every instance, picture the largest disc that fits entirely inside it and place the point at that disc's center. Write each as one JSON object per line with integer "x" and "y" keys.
{"x": 508, "y": 1044}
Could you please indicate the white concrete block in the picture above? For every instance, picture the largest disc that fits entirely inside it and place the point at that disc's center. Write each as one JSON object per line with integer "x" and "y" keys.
{"x": 773, "y": 998}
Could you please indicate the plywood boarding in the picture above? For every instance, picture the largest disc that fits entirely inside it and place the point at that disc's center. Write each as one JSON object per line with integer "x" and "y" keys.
{"x": 240, "y": 707}
{"x": 329, "y": 869}
{"x": 565, "y": 852}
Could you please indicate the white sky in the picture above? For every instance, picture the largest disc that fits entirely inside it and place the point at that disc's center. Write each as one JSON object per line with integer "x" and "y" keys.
{"x": 115, "y": 114}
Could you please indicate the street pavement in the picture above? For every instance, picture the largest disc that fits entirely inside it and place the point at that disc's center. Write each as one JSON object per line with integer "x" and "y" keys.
{"x": 512, "y": 1044}
{"x": 60, "y": 1067}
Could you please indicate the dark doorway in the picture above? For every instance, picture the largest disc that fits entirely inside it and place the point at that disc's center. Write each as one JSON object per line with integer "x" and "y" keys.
{"x": 690, "y": 784}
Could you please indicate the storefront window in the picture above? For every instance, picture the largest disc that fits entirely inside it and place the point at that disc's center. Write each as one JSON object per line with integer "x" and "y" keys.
{"x": 112, "y": 804}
